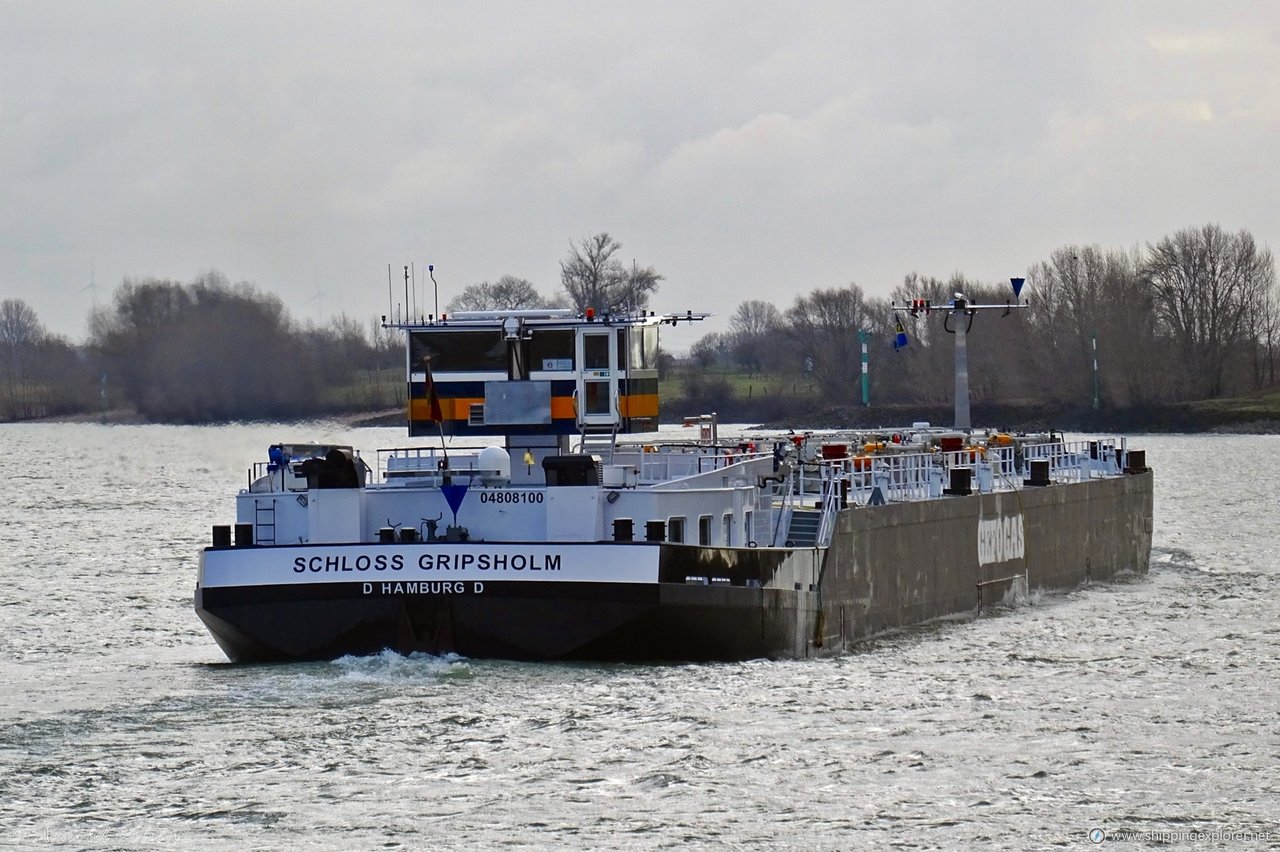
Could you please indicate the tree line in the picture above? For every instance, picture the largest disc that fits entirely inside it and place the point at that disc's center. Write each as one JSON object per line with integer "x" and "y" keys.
{"x": 201, "y": 351}
{"x": 1194, "y": 315}
{"x": 209, "y": 350}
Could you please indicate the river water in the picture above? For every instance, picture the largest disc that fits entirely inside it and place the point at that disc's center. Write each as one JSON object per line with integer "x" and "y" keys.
{"x": 1149, "y": 706}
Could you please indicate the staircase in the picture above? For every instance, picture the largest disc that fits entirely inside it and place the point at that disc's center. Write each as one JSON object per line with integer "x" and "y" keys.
{"x": 599, "y": 441}
{"x": 803, "y": 530}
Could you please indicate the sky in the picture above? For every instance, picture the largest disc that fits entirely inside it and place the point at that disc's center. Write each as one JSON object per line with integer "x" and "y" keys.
{"x": 745, "y": 150}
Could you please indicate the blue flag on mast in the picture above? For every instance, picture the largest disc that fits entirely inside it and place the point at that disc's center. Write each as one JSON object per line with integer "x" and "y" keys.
{"x": 899, "y": 335}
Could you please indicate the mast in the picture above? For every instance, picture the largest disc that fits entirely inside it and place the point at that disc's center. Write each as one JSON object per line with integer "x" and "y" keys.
{"x": 962, "y": 361}
{"x": 958, "y": 320}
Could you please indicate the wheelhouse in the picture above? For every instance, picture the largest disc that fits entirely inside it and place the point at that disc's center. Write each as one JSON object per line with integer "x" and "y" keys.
{"x": 533, "y": 373}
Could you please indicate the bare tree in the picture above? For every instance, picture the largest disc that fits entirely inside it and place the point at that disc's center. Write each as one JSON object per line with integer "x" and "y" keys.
{"x": 1262, "y": 327}
{"x": 593, "y": 277}
{"x": 40, "y": 373}
{"x": 1067, "y": 309}
{"x": 1083, "y": 294}
{"x": 754, "y": 330}
{"x": 708, "y": 349}
{"x": 1206, "y": 283}
{"x": 20, "y": 336}
{"x": 824, "y": 326}
{"x": 508, "y": 293}
{"x": 1134, "y": 363}
{"x": 1001, "y": 347}
{"x": 638, "y": 284}
{"x": 19, "y": 324}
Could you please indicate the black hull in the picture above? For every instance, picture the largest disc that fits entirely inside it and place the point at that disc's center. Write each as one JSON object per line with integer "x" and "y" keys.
{"x": 514, "y": 621}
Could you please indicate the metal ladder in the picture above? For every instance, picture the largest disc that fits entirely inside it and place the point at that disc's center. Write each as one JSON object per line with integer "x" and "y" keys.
{"x": 599, "y": 441}
{"x": 264, "y": 522}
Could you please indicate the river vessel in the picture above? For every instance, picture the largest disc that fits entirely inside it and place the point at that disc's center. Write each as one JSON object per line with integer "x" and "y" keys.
{"x": 542, "y": 516}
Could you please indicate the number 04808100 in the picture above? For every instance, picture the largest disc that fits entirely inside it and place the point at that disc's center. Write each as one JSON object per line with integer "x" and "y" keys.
{"x": 511, "y": 496}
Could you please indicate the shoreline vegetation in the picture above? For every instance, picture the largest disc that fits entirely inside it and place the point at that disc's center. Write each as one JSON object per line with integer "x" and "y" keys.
{"x": 1259, "y": 415}
{"x": 1180, "y": 336}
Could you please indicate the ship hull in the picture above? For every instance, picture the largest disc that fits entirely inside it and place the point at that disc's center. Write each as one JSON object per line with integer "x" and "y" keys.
{"x": 585, "y": 622}
{"x": 887, "y": 567}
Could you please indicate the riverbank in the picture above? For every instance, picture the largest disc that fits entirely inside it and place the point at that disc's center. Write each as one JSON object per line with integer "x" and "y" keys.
{"x": 129, "y": 417}
{"x": 1163, "y": 419}
{"x": 1260, "y": 416}
{"x": 1255, "y": 415}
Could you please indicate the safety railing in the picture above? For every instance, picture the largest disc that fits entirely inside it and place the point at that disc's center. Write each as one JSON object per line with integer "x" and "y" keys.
{"x": 832, "y": 500}
{"x": 414, "y": 462}
{"x": 1073, "y": 461}
{"x": 906, "y": 477}
{"x": 663, "y": 462}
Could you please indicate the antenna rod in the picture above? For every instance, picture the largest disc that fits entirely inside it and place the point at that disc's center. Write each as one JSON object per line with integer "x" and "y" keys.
{"x": 406, "y": 291}
{"x": 390, "y": 316}
{"x": 431, "y": 270}
{"x": 413, "y": 271}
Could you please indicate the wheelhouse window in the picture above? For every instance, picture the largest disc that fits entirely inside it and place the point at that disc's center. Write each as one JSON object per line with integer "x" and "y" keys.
{"x": 595, "y": 352}
{"x": 551, "y": 350}
{"x": 644, "y": 348}
{"x": 704, "y": 529}
{"x": 675, "y": 530}
{"x": 728, "y": 529}
{"x": 458, "y": 351}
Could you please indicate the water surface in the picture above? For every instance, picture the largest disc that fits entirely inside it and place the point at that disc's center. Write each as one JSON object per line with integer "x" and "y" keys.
{"x": 1150, "y": 705}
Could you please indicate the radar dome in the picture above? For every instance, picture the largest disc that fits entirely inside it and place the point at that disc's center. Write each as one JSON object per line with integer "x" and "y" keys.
{"x": 496, "y": 464}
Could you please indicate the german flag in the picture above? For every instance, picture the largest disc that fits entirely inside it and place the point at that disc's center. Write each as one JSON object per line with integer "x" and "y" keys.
{"x": 434, "y": 413}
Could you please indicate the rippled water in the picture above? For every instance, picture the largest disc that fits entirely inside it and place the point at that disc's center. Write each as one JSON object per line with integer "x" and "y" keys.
{"x": 1151, "y": 705}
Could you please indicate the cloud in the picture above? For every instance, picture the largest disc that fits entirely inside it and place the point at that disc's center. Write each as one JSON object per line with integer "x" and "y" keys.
{"x": 1188, "y": 43}
{"x": 1169, "y": 111}
{"x": 836, "y": 148}
{"x": 746, "y": 150}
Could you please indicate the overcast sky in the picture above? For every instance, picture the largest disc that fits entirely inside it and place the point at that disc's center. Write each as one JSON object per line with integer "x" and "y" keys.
{"x": 745, "y": 150}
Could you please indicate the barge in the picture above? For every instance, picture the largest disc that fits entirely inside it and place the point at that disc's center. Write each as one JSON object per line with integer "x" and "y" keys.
{"x": 541, "y": 515}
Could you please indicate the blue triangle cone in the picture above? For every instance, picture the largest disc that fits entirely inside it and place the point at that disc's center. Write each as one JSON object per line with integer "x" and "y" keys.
{"x": 453, "y": 495}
